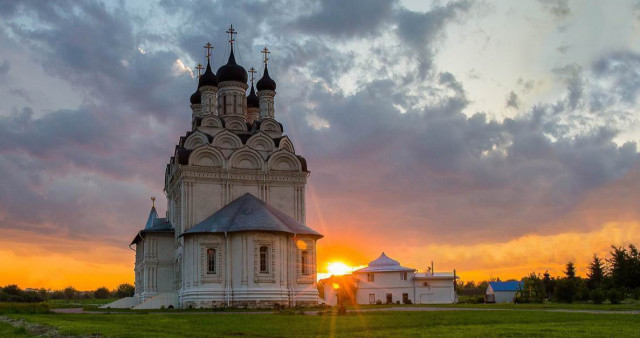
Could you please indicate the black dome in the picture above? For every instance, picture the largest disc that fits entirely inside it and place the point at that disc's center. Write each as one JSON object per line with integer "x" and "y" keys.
{"x": 232, "y": 71}
{"x": 196, "y": 98}
{"x": 252, "y": 99}
{"x": 208, "y": 78}
{"x": 266, "y": 83}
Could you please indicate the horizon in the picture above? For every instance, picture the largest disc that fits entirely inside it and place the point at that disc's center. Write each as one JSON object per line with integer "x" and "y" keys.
{"x": 496, "y": 139}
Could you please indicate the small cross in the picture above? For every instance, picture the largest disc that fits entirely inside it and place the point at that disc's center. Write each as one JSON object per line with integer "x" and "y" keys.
{"x": 252, "y": 71}
{"x": 209, "y": 48}
{"x": 153, "y": 202}
{"x": 199, "y": 68}
{"x": 266, "y": 53}
{"x": 231, "y": 31}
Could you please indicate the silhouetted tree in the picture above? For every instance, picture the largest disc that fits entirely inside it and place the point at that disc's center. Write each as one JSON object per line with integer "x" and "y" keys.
{"x": 596, "y": 273}
{"x": 101, "y": 293}
{"x": 570, "y": 271}
{"x": 70, "y": 292}
{"x": 125, "y": 290}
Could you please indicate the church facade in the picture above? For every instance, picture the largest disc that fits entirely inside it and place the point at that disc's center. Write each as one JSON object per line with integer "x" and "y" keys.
{"x": 234, "y": 233}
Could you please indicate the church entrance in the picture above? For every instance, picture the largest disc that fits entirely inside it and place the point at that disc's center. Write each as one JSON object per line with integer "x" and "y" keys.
{"x": 389, "y": 298}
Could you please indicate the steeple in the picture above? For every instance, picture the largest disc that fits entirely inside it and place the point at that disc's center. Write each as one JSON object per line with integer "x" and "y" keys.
{"x": 266, "y": 88}
{"x": 153, "y": 215}
{"x": 253, "y": 102}
{"x": 208, "y": 86}
{"x": 233, "y": 84}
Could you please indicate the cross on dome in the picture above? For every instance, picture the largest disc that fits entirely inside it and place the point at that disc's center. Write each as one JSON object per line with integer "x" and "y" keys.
{"x": 252, "y": 71}
{"x": 199, "y": 68}
{"x": 231, "y": 32}
{"x": 153, "y": 202}
{"x": 209, "y": 48}
{"x": 265, "y": 57}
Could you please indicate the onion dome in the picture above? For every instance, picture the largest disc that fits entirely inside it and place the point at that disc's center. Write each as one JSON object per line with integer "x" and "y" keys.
{"x": 208, "y": 78}
{"x": 266, "y": 83}
{"x": 196, "y": 98}
{"x": 232, "y": 71}
{"x": 252, "y": 99}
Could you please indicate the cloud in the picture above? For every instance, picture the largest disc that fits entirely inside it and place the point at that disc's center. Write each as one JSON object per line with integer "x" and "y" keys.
{"x": 513, "y": 101}
{"x": 4, "y": 67}
{"x": 346, "y": 19}
{"x": 558, "y": 8}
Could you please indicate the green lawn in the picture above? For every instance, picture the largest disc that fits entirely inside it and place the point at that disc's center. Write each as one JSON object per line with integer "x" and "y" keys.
{"x": 7, "y": 330}
{"x": 628, "y": 305}
{"x": 64, "y": 303}
{"x": 381, "y": 324}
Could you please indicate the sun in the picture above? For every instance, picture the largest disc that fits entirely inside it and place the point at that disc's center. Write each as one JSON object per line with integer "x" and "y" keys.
{"x": 338, "y": 268}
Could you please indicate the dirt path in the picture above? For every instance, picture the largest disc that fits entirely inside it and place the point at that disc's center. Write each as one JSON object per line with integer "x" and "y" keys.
{"x": 33, "y": 329}
{"x": 435, "y": 308}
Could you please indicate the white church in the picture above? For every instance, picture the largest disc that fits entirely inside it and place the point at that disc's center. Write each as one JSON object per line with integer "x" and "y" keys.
{"x": 234, "y": 233}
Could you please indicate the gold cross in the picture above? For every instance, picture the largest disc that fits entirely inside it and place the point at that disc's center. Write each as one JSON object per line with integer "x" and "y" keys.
{"x": 153, "y": 202}
{"x": 252, "y": 71}
{"x": 199, "y": 68}
{"x": 209, "y": 48}
{"x": 266, "y": 53}
{"x": 231, "y": 31}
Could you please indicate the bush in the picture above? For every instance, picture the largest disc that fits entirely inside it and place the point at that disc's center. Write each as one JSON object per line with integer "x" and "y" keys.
{"x": 70, "y": 293}
{"x": 378, "y": 302}
{"x": 125, "y": 290}
{"x": 597, "y": 296}
{"x": 636, "y": 293}
{"x": 408, "y": 301}
{"x": 101, "y": 293}
{"x": 565, "y": 290}
{"x": 21, "y": 308}
{"x": 615, "y": 296}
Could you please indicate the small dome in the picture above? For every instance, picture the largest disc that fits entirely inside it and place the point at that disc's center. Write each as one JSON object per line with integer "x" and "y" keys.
{"x": 196, "y": 98}
{"x": 266, "y": 83}
{"x": 384, "y": 260}
{"x": 252, "y": 99}
{"x": 232, "y": 71}
{"x": 208, "y": 78}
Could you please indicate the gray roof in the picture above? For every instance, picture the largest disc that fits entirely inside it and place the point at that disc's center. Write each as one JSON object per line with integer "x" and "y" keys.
{"x": 249, "y": 213}
{"x": 154, "y": 224}
{"x": 383, "y": 264}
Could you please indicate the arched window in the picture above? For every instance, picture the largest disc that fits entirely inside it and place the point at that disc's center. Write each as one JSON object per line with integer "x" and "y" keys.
{"x": 264, "y": 259}
{"x": 304, "y": 262}
{"x": 211, "y": 260}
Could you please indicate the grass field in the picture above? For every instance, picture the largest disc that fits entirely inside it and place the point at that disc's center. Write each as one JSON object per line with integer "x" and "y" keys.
{"x": 372, "y": 324}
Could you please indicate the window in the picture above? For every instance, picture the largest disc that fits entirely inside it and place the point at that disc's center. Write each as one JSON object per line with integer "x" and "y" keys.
{"x": 403, "y": 276}
{"x": 370, "y": 277}
{"x": 372, "y": 298}
{"x": 211, "y": 261}
{"x": 405, "y": 298}
{"x": 304, "y": 262}
{"x": 264, "y": 259}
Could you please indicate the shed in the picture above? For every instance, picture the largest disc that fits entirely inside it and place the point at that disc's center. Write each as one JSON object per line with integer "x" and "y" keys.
{"x": 502, "y": 292}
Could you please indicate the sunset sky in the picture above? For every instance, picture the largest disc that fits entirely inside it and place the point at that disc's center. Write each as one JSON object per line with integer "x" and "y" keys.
{"x": 496, "y": 138}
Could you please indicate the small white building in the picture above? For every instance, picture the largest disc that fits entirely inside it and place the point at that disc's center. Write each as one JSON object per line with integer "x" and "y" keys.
{"x": 502, "y": 292}
{"x": 385, "y": 281}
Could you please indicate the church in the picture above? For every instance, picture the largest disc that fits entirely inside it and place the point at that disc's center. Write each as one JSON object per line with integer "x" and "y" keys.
{"x": 234, "y": 233}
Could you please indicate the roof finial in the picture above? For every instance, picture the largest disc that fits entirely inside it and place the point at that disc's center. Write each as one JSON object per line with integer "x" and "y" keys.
{"x": 153, "y": 201}
{"x": 209, "y": 48}
{"x": 199, "y": 68}
{"x": 266, "y": 53}
{"x": 231, "y": 32}
{"x": 252, "y": 71}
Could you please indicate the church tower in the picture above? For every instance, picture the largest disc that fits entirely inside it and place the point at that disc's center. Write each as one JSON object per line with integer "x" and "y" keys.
{"x": 235, "y": 191}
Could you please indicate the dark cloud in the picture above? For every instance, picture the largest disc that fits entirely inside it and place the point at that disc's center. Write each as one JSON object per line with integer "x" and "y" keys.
{"x": 558, "y": 8}
{"x": 623, "y": 68}
{"x": 513, "y": 101}
{"x": 4, "y": 67}
{"x": 346, "y": 19}
{"x": 420, "y": 30}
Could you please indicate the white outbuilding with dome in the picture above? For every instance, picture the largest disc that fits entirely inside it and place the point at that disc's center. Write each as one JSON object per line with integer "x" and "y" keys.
{"x": 385, "y": 281}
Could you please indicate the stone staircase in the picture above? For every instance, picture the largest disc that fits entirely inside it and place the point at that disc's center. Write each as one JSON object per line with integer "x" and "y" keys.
{"x": 123, "y": 303}
{"x": 165, "y": 299}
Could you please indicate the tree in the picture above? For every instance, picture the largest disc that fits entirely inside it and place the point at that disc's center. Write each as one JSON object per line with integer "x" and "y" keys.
{"x": 101, "y": 293}
{"x": 549, "y": 284}
{"x": 570, "y": 272}
{"x": 596, "y": 273}
{"x": 565, "y": 290}
{"x": 533, "y": 289}
{"x": 125, "y": 290}
{"x": 70, "y": 292}
{"x": 619, "y": 266}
